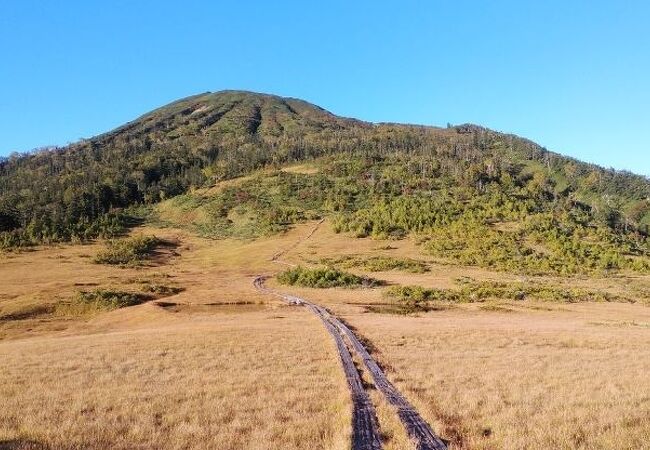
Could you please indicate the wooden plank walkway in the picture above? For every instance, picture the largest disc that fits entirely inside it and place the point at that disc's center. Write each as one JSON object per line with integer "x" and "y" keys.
{"x": 365, "y": 427}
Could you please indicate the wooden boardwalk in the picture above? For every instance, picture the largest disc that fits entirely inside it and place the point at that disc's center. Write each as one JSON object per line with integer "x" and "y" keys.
{"x": 365, "y": 428}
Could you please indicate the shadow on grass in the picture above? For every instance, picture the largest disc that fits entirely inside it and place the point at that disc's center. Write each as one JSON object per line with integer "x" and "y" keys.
{"x": 23, "y": 444}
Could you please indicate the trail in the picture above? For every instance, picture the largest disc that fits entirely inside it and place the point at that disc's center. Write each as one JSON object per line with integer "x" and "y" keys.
{"x": 276, "y": 257}
{"x": 365, "y": 427}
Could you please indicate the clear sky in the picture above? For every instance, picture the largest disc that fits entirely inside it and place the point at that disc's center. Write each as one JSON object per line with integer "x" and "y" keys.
{"x": 573, "y": 76}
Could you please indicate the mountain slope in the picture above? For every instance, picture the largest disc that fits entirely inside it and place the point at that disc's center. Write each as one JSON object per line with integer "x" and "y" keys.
{"x": 438, "y": 176}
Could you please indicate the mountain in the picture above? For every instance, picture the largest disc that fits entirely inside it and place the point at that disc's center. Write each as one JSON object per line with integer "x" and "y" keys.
{"x": 382, "y": 180}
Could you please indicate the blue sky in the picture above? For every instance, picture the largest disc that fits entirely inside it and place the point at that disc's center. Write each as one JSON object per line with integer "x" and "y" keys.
{"x": 573, "y": 76}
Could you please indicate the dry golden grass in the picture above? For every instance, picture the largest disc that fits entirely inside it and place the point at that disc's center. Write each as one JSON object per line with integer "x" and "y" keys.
{"x": 509, "y": 375}
{"x": 223, "y": 366}
{"x": 227, "y": 380}
{"x": 522, "y": 380}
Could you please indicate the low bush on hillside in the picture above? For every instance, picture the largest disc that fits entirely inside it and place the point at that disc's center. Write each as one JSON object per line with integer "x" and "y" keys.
{"x": 378, "y": 263}
{"x": 542, "y": 245}
{"x": 473, "y": 291}
{"x": 99, "y": 300}
{"x": 162, "y": 290}
{"x": 323, "y": 277}
{"x": 128, "y": 251}
{"x": 262, "y": 205}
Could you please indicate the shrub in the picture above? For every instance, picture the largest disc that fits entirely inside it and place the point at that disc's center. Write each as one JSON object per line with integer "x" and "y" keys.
{"x": 379, "y": 263}
{"x": 418, "y": 294}
{"x": 99, "y": 300}
{"x": 324, "y": 277}
{"x": 128, "y": 251}
{"x": 110, "y": 299}
{"x": 473, "y": 291}
{"x": 162, "y": 289}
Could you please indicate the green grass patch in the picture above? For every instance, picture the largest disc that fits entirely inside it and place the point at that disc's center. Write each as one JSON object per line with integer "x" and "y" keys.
{"x": 474, "y": 291}
{"x": 323, "y": 277}
{"x": 378, "y": 263}
{"x": 267, "y": 203}
{"x": 99, "y": 300}
{"x": 129, "y": 251}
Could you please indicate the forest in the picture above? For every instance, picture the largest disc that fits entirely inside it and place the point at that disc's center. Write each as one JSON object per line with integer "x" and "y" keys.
{"x": 469, "y": 195}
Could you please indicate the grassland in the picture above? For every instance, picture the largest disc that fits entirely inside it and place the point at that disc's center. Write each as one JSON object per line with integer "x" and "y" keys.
{"x": 214, "y": 364}
{"x": 198, "y": 381}
{"x": 187, "y": 374}
{"x": 506, "y": 373}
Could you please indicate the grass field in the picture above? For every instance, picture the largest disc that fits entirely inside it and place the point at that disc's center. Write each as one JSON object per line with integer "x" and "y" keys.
{"x": 220, "y": 365}
{"x": 505, "y": 374}
{"x": 199, "y": 381}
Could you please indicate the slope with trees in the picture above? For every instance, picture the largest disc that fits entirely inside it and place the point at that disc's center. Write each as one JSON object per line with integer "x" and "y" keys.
{"x": 470, "y": 195}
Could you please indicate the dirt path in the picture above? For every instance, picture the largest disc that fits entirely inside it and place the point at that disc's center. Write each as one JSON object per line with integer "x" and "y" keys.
{"x": 365, "y": 428}
{"x": 276, "y": 257}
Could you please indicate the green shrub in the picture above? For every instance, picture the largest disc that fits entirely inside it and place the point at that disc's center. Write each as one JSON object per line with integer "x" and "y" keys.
{"x": 99, "y": 300}
{"x": 417, "y": 294}
{"x": 162, "y": 289}
{"x": 109, "y": 298}
{"x": 324, "y": 277}
{"x": 128, "y": 251}
{"x": 378, "y": 263}
{"x": 473, "y": 291}
{"x": 381, "y": 263}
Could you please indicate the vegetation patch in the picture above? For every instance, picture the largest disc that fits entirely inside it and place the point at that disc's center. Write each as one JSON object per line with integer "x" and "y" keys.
{"x": 406, "y": 309}
{"x": 266, "y": 203}
{"x": 544, "y": 244}
{"x": 99, "y": 300}
{"x": 162, "y": 290}
{"x": 129, "y": 251}
{"x": 323, "y": 277}
{"x": 378, "y": 263}
{"x": 473, "y": 291}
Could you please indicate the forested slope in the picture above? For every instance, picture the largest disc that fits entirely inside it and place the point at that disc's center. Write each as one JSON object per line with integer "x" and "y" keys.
{"x": 447, "y": 185}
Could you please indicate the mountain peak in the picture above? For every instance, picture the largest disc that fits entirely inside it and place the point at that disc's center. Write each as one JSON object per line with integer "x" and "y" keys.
{"x": 235, "y": 112}
{"x": 209, "y": 137}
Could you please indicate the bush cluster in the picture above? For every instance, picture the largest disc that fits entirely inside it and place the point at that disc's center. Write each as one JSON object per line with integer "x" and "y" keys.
{"x": 323, "y": 277}
{"x": 378, "y": 263}
{"x": 98, "y": 300}
{"x": 128, "y": 251}
{"x": 474, "y": 291}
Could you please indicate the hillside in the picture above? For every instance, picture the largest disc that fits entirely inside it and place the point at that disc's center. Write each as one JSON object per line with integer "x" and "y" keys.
{"x": 470, "y": 195}
{"x": 278, "y": 277}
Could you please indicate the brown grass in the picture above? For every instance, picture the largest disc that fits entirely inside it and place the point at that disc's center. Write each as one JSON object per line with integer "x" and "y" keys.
{"x": 523, "y": 380}
{"x": 199, "y": 381}
{"x": 508, "y": 375}
{"x": 222, "y": 366}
